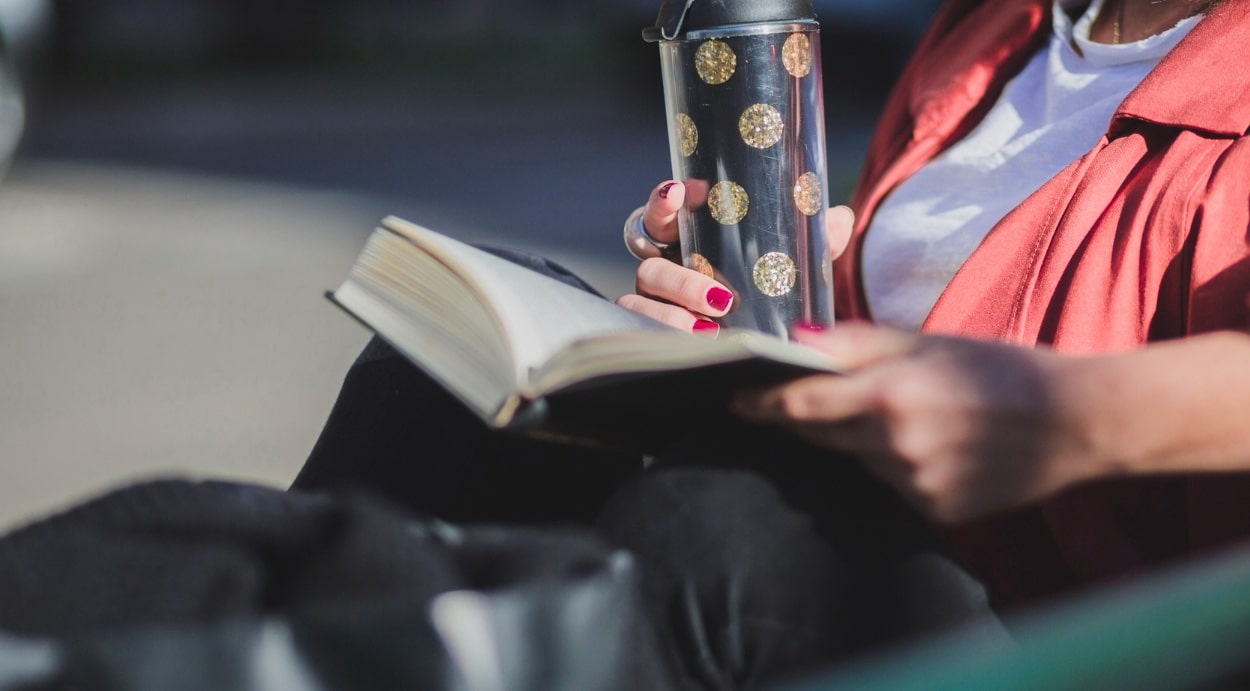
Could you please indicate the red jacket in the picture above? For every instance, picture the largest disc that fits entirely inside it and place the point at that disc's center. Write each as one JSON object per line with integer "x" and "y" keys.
{"x": 1146, "y": 237}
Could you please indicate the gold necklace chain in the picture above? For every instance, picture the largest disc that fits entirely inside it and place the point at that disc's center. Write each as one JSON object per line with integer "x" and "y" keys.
{"x": 1119, "y": 20}
{"x": 1118, "y": 23}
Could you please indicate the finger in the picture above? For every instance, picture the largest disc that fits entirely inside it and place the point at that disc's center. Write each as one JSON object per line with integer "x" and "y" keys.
{"x": 839, "y": 224}
{"x": 897, "y": 474}
{"x": 664, "y": 280}
{"x": 858, "y": 344}
{"x": 696, "y": 193}
{"x": 659, "y": 216}
{"x": 671, "y": 315}
{"x": 868, "y": 449}
{"x": 865, "y": 440}
{"x": 821, "y": 399}
{"x": 857, "y": 436}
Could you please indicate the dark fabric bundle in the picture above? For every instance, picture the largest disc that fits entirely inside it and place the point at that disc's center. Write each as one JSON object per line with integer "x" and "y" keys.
{"x": 176, "y": 551}
{"x": 188, "y": 582}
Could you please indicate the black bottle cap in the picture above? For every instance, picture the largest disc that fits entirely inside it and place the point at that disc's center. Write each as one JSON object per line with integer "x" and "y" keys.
{"x": 681, "y": 16}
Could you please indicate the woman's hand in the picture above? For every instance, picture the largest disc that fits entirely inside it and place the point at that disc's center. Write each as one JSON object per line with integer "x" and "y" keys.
{"x": 959, "y": 427}
{"x": 684, "y": 298}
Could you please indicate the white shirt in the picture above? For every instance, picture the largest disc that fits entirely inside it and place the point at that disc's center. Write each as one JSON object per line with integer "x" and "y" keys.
{"x": 1049, "y": 115}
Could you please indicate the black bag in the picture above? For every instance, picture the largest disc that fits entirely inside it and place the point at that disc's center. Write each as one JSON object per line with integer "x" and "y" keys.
{"x": 186, "y": 585}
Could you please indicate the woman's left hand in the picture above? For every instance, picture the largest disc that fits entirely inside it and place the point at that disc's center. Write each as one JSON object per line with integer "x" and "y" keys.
{"x": 959, "y": 427}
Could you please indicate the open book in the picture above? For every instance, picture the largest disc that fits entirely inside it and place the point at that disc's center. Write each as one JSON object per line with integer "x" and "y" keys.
{"x": 529, "y": 353}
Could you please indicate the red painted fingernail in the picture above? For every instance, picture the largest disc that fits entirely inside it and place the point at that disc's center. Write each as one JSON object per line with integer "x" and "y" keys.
{"x": 663, "y": 193}
{"x": 811, "y": 327}
{"x": 706, "y": 326}
{"x": 719, "y": 298}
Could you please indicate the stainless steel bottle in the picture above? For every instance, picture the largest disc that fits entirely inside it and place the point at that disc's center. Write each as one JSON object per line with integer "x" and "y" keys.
{"x": 745, "y": 110}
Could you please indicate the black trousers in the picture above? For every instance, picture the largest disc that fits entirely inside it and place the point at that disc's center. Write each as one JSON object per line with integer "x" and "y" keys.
{"x": 761, "y": 557}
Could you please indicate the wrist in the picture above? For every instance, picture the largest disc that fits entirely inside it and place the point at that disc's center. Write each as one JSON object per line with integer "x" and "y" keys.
{"x": 1165, "y": 408}
{"x": 1099, "y": 400}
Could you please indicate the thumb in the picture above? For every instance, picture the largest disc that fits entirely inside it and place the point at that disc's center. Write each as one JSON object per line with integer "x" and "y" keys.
{"x": 839, "y": 224}
{"x": 659, "y": 216}
{"x": 858, "y": 344}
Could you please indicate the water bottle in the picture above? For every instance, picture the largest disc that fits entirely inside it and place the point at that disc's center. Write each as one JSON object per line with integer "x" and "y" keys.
{"x": 745, "y": 110}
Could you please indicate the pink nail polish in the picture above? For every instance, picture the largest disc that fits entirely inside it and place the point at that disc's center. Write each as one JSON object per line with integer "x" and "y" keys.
{"x": 719, "y": 298}
{"x": 706, "y": 326}
{"x": 811, "y": 328}
{"x": 663, "y": 193}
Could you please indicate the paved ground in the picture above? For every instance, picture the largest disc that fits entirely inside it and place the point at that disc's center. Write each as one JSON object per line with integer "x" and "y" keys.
{"x": 157, "y": 324}
{"x": 163, "y": 255}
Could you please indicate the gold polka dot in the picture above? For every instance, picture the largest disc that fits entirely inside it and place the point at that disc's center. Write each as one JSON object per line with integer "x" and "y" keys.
{"x": 809, "y": 194}
{"x": 700, "y": 263}
{"x": 775, "y": 274}
{"x": 715, "y": 62}
{"x": 687, "y": 134}
{"x": 796, "y": 55}
{"x": 728, "y": 202}
{"x": 761, "y": 126}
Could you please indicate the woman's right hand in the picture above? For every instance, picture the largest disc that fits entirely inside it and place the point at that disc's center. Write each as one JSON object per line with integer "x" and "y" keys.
{"x": 684, "y": 298}
{"x": 665, "y": 290}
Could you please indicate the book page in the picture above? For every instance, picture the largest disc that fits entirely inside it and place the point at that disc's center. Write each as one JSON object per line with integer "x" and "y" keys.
{"x": 540, "y": 315}
{"x": 445, "y": 360}
{"x": 433, "y": 317}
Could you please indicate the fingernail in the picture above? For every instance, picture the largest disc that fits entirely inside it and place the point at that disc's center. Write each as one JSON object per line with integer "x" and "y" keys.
{"x": 719, "y": 298}
{"x": 663, "y": 193}
{"x": 811, "y": 327}
{"x": 706, "y": 326}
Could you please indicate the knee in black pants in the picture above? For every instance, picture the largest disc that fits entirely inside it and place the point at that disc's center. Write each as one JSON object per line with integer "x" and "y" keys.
{"x": 738, "y": 584}
{"x": 745, "y": 590}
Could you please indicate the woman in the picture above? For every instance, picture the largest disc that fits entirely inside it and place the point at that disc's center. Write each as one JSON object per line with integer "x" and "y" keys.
{"x": 762, "y": 555}
{"x": 1065, "y": 232}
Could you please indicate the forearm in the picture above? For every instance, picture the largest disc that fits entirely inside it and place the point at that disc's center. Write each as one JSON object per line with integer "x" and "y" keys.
{"x": 1179, "y": 406}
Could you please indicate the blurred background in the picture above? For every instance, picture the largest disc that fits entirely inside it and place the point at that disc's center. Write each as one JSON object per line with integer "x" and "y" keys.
{"x": 185, "y": 178}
